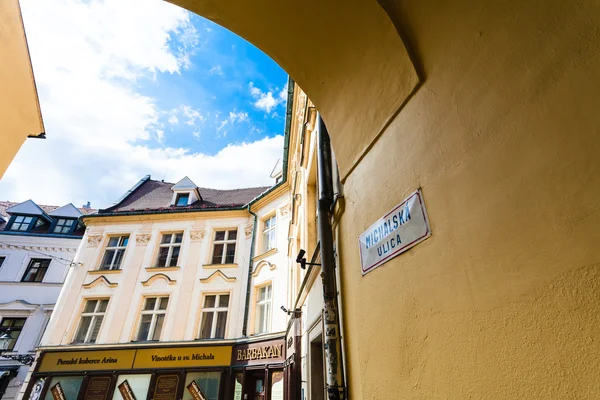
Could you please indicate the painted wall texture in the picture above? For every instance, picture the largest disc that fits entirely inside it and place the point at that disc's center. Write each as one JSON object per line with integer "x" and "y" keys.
{"x": 502, "y": 302}
{"x": 19, "y": 106}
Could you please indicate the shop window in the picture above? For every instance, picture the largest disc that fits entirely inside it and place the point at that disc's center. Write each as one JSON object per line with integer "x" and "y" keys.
{"x": 214, "y": 316}
{"x": 67, "y": 385}
{"x": 91, "y": 320}
{"x": 113, "y": 255}
{"x": 208, "y": 382}
{"x": 36, "y": 270}
{"x": 21, "y": 223}
{"x": 168, "y": 249}
{"x": 277, "y": 385}
{"x": 136, "y": 384}
{"x": 64, "y": 226}
{"x": 12, "y": 326}
{"x": 224, "y": 247}
{"x": 263, "y": 309}
{"x": 269, "y": 233}
{"x": 152, "y": 318}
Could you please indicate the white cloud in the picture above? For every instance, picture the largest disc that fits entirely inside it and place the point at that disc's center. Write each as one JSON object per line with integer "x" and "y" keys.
{"x": 265, "y": 101}
{"x": 238, "y": 117}
{"x": 193, "y": 116}
{"x": 216, "y": 70}
{"x": 88, "y": 57}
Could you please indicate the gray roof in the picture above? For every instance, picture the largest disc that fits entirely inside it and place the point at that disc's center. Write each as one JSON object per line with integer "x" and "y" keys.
{"x": 153, "y": 195}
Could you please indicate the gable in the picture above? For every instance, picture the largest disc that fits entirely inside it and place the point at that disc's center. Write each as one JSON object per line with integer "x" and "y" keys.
{"x": 66, "y": 211}
{"x": 27, "y": 207}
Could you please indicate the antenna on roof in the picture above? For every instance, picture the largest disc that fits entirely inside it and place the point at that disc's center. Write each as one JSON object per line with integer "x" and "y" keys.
{"x": 165, "y": 174}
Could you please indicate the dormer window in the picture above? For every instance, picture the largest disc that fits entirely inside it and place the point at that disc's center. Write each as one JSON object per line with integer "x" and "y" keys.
{"x": 21, "y": 223}
{"x": 64, "y": 225}
{"x": 182, "y": 199}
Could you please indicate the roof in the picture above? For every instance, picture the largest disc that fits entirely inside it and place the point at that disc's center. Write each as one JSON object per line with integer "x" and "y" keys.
{"x": 67, "y": 211}
{"x": 153, "y": 195}
{"x": 4, "y": 205}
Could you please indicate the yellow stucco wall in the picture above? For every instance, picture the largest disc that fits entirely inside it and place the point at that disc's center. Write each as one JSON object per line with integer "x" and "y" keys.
{"x": 503, "y": 301}
{"x": 19, "y": 108}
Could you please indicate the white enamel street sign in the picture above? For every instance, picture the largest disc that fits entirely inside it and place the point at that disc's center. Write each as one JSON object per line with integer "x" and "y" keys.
{"x": 403, "y": 227}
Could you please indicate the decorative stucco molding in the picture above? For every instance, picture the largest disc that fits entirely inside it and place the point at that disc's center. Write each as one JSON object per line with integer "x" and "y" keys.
{"x": 260, "y": 265}
{"x": 156, "y": 277}
{"x": 285, "y": 210}
{"x": 197, "y": 235}
{"x": 99, "y": 280}
{"x": 94, "y": 240}
{"x": 142, "y": 239}
{"x": 218, "y": 274}
{"x": 248, "y": 230}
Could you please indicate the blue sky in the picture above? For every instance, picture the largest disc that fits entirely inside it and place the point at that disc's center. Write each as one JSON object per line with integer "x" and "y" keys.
{"x": 217, "y": 85}
{"x": 127, "y": 91}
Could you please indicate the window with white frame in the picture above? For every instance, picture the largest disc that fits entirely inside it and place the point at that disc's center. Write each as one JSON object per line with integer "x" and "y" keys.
{"x": 2, "y": 259}
{"x": 36, "y": 270}
{"x": 152, "y": 318}
{"x": 12, "y": 327}
{"x": 214, "y": 316}
{"x": 91, "y": 320}
{"x": 168, "y": 249}
{"x": 263, "y": 309}
{"x": 113, "y": 255}
{"x": 64, "y": 225}
{"x": 269, "y": 233}
{"x": 224, "y": 247}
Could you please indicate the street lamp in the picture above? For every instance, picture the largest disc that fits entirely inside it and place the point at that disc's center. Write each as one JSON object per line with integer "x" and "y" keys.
{"x": 5, "y": 340}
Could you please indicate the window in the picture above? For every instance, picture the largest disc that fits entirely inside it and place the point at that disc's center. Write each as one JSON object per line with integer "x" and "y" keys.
{"x": 21, "y": 223}
{"x": 91, "y": 320}
{"x": 12, "y": 326}
{"x": 64, "y": 226}
{"x": 36, "y": 270}
{"x": 152, "y": 318}
{"x": 168, "y": 250}
{"x": 269, "y": 233}
{"x": 214, "y": 316}
{"x": 113, "y": 256}
{"x": 2, "y": 260}
{"x": 224, "y": 247}
{"x": 209, "y": 382}
{"x": 182, "y": 199}
{"x": 263, "y": 309}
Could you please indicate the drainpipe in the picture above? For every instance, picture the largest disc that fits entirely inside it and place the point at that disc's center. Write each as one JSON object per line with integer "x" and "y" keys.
{"x": 249, "y": 285}
{"x": 333, "y": 340}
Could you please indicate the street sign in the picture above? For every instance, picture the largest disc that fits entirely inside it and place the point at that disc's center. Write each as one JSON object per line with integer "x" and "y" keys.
{"x": 405, "y": 226}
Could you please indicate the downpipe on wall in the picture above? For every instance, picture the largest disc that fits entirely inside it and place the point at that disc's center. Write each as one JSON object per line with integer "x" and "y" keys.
{"x": 333, "y": 340}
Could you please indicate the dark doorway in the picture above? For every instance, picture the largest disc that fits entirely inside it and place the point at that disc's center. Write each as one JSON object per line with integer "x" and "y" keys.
{"x": 317, "y": 381}
{"x": 256, "y": 385}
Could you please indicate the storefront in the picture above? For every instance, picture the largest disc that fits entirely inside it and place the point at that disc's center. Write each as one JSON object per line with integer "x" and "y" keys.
{"x": 243, "y": 371}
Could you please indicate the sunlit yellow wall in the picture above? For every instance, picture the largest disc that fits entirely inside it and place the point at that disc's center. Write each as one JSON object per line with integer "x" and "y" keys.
{"x": 503, "y": 301}
{"x": 19, "y": 108}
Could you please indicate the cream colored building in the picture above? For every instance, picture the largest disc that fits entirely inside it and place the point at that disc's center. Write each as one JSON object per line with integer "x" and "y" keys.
{"x": 171, "y": 267}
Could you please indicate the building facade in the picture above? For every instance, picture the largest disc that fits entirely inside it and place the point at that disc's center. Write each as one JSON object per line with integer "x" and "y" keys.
{"x": 176, "y": 291}
{"x": 37, "y": 246}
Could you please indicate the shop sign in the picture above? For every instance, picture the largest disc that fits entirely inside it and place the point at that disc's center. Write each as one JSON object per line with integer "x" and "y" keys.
{"x": 196, "y": 391}
{"x": 126, "y": 391}
{"x": 405, "y": 226}
{"x": 177, "y": 357}
{"x": 166, "y": 387}
{"x": 98, "y": 388}
{"x": 87, "y": 360}
{"x": 259, "y": 353}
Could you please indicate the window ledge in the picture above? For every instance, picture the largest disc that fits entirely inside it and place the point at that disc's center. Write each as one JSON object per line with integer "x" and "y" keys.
{"x": 265, "y": 254}
{"x": 105, "y": 271}
{"x": 219, "y": 266}
{"x": 152, "y": 269}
